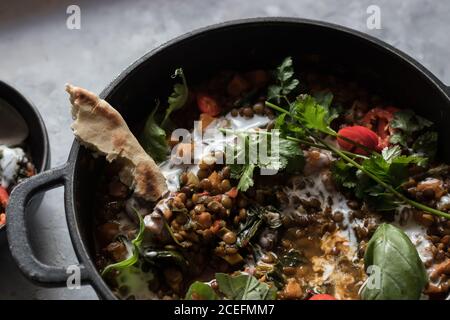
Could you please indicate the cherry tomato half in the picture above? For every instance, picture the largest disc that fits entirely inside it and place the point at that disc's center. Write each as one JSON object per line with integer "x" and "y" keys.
{"x": 208, "y": 105}
{"x": 360, "y": 135}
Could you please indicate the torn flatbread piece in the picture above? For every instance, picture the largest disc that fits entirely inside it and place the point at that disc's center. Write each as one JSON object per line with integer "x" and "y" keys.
{"x": 101, "y": 128}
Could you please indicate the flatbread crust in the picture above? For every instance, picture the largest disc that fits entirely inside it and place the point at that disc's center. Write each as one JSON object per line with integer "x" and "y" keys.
{"x": 99, "y": 127}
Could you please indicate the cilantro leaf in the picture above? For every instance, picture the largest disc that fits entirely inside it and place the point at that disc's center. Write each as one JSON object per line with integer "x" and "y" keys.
{"x": 426, "y": 144}
{"x": 407, "y": 123}
{"x": 344, "y": 174}
{"x": 312, "y": 115}
{"x": 285, "y": 82}
{"x": 280, "y": 154}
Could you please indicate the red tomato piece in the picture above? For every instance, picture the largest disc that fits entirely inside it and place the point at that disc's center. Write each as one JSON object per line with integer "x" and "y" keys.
{"x": 359, "y": 134}
{"x": 4, "y": 197}
{"x": 208, "y": 105}
{"x": 378, "y": 120}
{"x": 322, "y": 297}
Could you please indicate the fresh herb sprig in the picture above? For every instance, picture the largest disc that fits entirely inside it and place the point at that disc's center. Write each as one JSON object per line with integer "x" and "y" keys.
{"x": 153, "y": 137}
{"x": 135, "y": 247}
{"x": 313, "y": 121}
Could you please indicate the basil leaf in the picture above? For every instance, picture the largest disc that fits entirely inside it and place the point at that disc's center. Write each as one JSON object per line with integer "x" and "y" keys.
{"x": 244, "y": 287}
{"x": 200, "y": 291}
{"x": 402, "y": 274}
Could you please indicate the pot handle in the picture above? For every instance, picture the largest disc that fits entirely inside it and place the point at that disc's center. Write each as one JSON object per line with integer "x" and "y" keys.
{"x": 17, "y": 231}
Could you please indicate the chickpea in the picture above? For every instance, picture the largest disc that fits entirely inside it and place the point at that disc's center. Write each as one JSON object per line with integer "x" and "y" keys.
{"x": 195, "y": 198}
{"x": 203, "y": 173}
{"x": 205, "y": 184}
{"x": 226, "y": 171}
{"x": 214, "y": 206}
{"x": 225, "y": 185}
{"x": 204, "y": 219}
{"x": 230, "y": 237}
{"x": 248, "y": 112}
{"x": 199, "y": 208}
{"x": 227, "y": 202}
{"x": 181, "y": 197}
{"x": 184, "y": 178}
{"x": 258, "y": 108}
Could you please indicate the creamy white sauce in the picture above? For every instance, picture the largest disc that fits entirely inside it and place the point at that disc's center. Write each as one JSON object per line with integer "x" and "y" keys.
{"x": 415, "y": 232}
{"x": 205, "y": 144}
{"x": 10, "y": 160}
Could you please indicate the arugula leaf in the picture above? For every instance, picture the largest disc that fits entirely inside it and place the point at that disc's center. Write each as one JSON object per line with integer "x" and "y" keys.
{"x": 285, "y": 81}
{"x": 178, "y": 97}
{"x": 244, "y": 287}
{"x": 400, "y": 274}
{"x": 153, "y": 139}
{"x": 134, "y": 257}
{"x": 426, "y": 144}
{"x": 201, "y": 291}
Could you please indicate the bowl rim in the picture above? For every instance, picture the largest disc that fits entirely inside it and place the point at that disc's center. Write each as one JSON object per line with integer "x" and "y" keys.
{"x": 79, "y": 245}
{"x": 31, "y": 108}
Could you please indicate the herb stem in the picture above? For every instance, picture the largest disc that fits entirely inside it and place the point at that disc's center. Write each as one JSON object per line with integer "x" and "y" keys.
{"x": 384, "y": 184}
{"x": 344, "y": 156}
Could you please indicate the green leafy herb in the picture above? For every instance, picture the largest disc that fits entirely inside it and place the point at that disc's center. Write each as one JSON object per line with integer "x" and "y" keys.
{"x": 285, "y": 81}
{"x": 400, "y": 274}
{"x": 390, "y": 167}
{"x": 344, "y": 174}
{"x": 201, "y": 291}
{"x": 178, "y": 97}
{"x": 153, "y": 137}
{"x": 407, "y": 123}
{"x": 281, "y": 154}
{"x": 244, "y": 287}
{"x": 257, "y": 216}
{"x": 312, "y": 115}
{"x": 372, "y": 176}
{"x": 134, "y": 257}
{"x": 426, "y": 144}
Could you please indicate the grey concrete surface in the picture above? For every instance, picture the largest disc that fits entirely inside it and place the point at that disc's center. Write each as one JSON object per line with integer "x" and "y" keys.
{"x": 39, "y": 54}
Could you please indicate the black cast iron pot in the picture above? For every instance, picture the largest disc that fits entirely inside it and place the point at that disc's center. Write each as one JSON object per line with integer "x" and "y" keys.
{"x": 244, "y": 44}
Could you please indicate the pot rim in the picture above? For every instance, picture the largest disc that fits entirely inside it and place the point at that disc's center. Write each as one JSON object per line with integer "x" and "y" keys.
{"x": 80, "y": 248}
